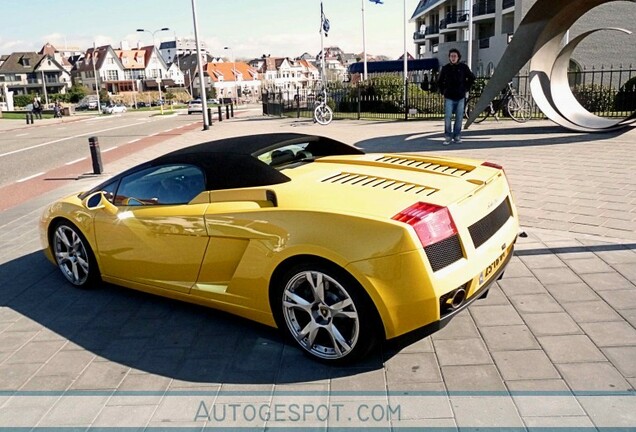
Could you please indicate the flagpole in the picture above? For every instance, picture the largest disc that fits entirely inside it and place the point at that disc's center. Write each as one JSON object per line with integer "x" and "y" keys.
{"x": 322, "y": 46}
{"x": 364, "y": 43}
{"x": 469, "y": 60}
{"x": 406, "y": 67}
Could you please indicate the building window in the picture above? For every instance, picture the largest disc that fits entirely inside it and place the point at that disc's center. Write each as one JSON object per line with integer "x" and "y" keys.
{"x": 111, "y": 75}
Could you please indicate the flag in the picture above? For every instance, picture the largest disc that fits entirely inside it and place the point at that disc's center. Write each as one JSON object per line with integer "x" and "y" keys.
{"x": 324, "y": 21}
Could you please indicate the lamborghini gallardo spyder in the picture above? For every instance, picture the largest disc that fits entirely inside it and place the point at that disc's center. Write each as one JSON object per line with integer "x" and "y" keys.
{"x": 340, "y": 249}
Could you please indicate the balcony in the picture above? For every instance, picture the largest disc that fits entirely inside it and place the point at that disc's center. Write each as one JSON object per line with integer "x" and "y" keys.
{"x": 507, "y": 4}
{"x": 432, "y": 31}
{"x": 483, "y": 7}
{"x": 419, "y": 35}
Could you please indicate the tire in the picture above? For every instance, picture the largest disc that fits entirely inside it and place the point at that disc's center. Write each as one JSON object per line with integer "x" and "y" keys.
{"x": 323, "y": 114}
{"x": 519, "y": 109}
{"x": 326, "y": 312}
{"x": 74, "y": 256}
{"x": 470, "y": 105}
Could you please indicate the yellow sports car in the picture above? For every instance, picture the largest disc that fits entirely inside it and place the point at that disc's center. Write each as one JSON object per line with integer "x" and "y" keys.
{"x": 339, "y": 248}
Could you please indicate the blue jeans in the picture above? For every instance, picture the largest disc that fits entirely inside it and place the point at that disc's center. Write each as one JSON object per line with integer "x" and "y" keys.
{"x": 453, "y": 107}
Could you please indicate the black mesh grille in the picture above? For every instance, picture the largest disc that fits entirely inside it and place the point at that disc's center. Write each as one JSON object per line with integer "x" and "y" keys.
{"x": 444, "y": 253}
{"x": 482, "y": 230}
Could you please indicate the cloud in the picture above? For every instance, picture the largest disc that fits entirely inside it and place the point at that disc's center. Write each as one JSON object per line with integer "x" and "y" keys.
{"x": 17, "y": 45}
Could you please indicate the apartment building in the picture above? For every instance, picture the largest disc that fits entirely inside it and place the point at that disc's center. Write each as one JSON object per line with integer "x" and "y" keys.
{"x": 443, "y": 24}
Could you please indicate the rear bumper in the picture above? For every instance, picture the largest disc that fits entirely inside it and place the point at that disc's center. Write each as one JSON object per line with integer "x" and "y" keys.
{"x": 433, "y": 327}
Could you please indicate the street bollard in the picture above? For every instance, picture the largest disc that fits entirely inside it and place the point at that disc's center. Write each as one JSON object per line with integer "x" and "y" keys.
{"x": 220, "y": 113}
{"x": 210, "y": 115}
{"x": 232, "y": 110}
{"x": 96, "y": 155}
{"x": 227, "y": 112}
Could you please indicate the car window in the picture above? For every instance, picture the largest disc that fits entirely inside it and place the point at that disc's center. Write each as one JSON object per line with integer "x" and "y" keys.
{"x": 109, "y": 190}
{"x": 162, "y": 185}
{"x": 287, "y": 154}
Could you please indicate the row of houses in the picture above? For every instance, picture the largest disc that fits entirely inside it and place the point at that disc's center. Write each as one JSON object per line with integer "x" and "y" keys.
{"x": 144, "y": 68}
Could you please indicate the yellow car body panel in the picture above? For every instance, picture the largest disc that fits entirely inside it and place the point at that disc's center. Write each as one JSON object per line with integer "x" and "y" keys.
{"x": 223, "y": 248}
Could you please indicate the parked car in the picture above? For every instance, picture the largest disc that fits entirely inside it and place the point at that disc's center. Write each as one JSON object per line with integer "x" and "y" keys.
{"x": 115, "y": 109}
{"x": 195, "y": 106}
{"x": 338, "y": 248}
{"x": 213, "y": 101}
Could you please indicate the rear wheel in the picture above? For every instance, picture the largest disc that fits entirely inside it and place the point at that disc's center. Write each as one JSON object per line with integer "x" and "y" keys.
{"x": 74, "y": 256}
{"x": 326, "y": 312}
{"x": 519, "y": 109}
{"x": 323, "y": 114}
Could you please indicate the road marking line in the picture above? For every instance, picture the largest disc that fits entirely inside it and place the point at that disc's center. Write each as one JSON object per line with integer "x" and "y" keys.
{"x": 67, "y": 138}
{"x": 156, "y": 133}
{"x": 24, "y": 134}
{"x": 168, "y": 130}
{"x": 30, "y": 177}
{"x": 75, "y": 161}
{"x": 135, "y": 140}
{"x": 61, "y": 128}
{"x": 109, "y": 149}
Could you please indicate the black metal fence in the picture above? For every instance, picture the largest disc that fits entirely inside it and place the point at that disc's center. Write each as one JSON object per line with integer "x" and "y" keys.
{"x": 607, "y": 92}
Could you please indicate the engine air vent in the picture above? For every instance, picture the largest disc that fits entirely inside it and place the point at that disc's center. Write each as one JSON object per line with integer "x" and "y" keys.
{"x": 362, "y": 180}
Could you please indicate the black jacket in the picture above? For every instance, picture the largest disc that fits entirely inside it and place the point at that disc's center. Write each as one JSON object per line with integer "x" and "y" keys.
{"x": 455, "y": 80}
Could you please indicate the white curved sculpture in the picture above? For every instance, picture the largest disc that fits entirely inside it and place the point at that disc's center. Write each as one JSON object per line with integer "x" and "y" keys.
{"x": 547, "y": 23}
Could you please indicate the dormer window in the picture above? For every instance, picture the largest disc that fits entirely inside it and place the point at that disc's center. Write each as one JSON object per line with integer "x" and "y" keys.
{"x": 26, "y": 62}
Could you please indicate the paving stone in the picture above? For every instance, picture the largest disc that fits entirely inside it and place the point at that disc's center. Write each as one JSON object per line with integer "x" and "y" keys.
{"x": 36, "y": 352}
{"x": 11, "y": 341}
{"x": 364, "y": 380}
{"x": 485, "y": 411}
{"x": 544, "y": 398}
{"x": 521, "y": 285}
{"x": 570, "y": 349}
{"x": 495, "y": 297}
{"x": 124, "y": 416}
{"x": 607, "y": 281}
{"x": 479, "y": 378}
{"x": 74, "y": 411}
{"x": 629, "y": 315}
{"x": 420, "y": 401}
{"x": 601, "y": 376}
{"x": 524, "y": 365}
{"x": 16, "y": 418}
{"x": 408, "y": 368}
{"x": 594, "y": 311}
{"x": 516, "y": 269}
{"x": 14, "y": 376}
{"x": 542, "y": 261}
{"x": 551, "y": 324}
{"x": 495, "y": 315}
{"x": 460, "y": 327}
{"x": 569, "y": 293}
{"x": 509, "y": 338}
{"x": 461, "y": 352}
{"x": 559, "y": 423}
{"x": 624, "y": 358}
{"x": 613, "y": 333}
{"x": 535, "y": 303}
{"x": 613, "y": 411}
{"x": 592, "y": 265}
{"x": 620, "y": 299}
{"x": 554, "y": 276}
{"x": 101, "y": 375}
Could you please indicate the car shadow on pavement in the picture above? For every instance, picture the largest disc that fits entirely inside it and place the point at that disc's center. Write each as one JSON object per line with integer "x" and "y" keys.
{"x": 186, "y": 342}
{"x": 482, "y": 138}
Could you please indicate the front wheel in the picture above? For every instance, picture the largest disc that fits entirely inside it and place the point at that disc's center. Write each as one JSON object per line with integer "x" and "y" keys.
{"x": 519, "y": 109}
{"x": 323, "y": 114}
{"x": 74, "y": 256}
{"x": 470, "y": 106}
{"x": 326, "y": 312}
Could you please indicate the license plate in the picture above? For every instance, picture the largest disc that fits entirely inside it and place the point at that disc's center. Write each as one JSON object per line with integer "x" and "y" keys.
{"x": 492, "y": 268}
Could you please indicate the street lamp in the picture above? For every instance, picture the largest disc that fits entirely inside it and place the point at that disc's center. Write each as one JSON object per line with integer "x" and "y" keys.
{"x": 153, "y": 32}
{"x": 234, "y": 74}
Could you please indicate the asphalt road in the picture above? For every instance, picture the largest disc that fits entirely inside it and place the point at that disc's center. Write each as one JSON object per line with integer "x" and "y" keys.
{"x": 25, "y": 153}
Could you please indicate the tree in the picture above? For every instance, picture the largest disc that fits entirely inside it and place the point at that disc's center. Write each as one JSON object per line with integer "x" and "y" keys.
{"x": 104, "y": 97}
{"x": 76, "y": 93}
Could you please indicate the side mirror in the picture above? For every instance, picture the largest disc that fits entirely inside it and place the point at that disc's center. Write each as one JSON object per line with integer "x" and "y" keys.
{"x": 97, "y": 200}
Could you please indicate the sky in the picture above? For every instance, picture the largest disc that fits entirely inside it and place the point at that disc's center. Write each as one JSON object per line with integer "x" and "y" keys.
{"x": 280, "y": 28}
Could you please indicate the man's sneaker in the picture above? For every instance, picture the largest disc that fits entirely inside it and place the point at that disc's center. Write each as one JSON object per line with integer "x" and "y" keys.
{"x": 447, "y": 141}
{"x": 457, "y": 140}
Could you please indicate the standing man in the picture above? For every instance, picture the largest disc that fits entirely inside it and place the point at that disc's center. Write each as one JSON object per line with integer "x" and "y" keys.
{"x": 455, "y": 80}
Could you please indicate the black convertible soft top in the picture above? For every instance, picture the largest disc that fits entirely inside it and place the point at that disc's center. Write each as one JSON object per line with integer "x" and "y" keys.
{"x": 232, "y": 162}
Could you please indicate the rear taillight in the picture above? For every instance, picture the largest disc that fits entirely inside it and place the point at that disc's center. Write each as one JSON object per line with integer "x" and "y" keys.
{"x": 432, "y": 223}
{"x": 492, "y": 165}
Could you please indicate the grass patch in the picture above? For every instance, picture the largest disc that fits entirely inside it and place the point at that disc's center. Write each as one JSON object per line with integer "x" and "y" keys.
{"x": 21, "y": 116}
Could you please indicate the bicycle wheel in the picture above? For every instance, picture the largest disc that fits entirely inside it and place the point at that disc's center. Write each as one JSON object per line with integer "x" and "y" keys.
{"x": 323, "y": 114}
{"x": 470, "y": 106}
{"x": 519, "y": 109}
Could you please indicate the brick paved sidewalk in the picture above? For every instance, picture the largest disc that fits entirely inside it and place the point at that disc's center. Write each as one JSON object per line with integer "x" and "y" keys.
{"x": 553, "y": 345}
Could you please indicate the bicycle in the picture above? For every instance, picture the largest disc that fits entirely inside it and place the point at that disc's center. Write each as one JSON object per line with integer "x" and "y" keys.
{"x": 514, "y": 106}
{"x": 322, "y": 113}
